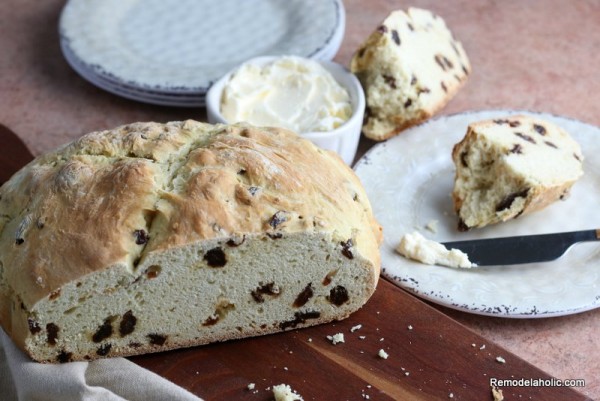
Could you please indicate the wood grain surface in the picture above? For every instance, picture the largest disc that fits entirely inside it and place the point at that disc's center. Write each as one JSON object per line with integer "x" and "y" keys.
{"x": 431, "y": 357}
{"x": 14, "y": 153}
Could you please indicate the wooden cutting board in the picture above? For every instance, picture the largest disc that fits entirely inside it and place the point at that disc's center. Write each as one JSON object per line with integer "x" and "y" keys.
{"x": 13, "y": 153}
{"x": 431, "y": 357}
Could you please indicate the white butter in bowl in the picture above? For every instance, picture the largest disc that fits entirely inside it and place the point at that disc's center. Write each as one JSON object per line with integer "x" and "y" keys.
{"x": 290, "y": 92}
{"x": 319, "y": 100}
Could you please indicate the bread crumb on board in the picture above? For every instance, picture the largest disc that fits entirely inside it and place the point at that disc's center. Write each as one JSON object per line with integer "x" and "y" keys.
{"x": 497, "y": 394}
{"x": 336, "y": 338}
{"x": 500, "y": 359}
{"x": 283, "y": 392}
{"x": 382, "y": 354}
{"x": 355, "y": 328}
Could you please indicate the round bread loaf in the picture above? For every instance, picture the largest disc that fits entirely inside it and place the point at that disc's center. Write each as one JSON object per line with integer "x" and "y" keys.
{"x": 511, "y": 166}
{"x": 155, "y": 236}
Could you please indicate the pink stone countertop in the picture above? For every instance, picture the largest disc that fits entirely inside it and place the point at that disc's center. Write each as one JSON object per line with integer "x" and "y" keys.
{"x": 541, "y": 55}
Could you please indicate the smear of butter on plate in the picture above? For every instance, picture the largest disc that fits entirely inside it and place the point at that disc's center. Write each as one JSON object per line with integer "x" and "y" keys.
{"x": 415, "y": 246}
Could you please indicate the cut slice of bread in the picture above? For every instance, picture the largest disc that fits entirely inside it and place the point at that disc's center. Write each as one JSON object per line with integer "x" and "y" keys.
{"x": 410, "y": 67}
{"x": 154, "y": 236}
{"x": 511, "y": 166}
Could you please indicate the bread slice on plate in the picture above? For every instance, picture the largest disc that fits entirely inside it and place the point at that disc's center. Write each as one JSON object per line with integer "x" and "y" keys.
{"x": 510, "y": 166}
{"x": 150, "y": 237}
{"x": 410, "y": 67}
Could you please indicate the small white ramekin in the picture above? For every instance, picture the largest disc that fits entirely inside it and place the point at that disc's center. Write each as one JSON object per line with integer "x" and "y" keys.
{"x": 342, "y": 140}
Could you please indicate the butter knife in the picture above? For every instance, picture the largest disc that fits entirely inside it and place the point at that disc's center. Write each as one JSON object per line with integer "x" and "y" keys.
{"x": 521, "y": 249}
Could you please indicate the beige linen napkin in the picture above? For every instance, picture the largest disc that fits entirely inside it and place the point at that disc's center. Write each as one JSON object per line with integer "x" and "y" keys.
{"x": 115, "y": 379}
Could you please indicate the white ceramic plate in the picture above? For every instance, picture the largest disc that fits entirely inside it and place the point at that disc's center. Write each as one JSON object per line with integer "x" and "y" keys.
{"x": 138, "y": 94}
{"x": 171, "y": 51}
{"x": 409, "y": 179}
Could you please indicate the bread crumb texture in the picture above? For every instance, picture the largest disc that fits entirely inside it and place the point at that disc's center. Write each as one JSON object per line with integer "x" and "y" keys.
{"x": 382, "y": 354}
{"x": 410, "y": 67}
{"x": 283, "y": 392}
{"x": 336, "y": 338}
{"x": 497, "y": 394}
{"x": 507, "y": 167}
{"x": 154, "y": 236}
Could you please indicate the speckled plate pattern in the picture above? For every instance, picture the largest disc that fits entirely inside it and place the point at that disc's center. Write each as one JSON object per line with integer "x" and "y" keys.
{"x": 170, "y": 51}
{"x": 409, "y": 179}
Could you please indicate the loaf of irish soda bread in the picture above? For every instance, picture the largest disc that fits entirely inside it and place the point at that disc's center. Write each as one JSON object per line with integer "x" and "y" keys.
{"x": 510, "y": 166}
{"x": 410, "y": 67}
{"x": 154, "y": 236}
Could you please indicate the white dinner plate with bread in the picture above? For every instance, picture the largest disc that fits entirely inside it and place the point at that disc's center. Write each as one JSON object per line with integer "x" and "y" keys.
{"x": 409, "y": 180}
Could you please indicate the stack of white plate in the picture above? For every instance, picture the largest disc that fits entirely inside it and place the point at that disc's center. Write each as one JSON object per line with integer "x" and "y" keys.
{"x": 169, "y": 52}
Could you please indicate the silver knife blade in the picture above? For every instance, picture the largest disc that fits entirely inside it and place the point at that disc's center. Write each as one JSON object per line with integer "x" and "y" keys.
{"x": 521, "y": 249}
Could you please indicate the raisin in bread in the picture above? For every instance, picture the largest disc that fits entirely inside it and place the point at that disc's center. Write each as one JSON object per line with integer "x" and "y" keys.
{"x": 154, "y": 236}
{"x": 410, "y": 67}
{"x": 511, "y": 166}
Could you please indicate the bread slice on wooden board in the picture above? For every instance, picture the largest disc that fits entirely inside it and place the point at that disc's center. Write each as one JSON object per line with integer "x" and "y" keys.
{"x": 410, "y": 67}
{"x": 511, "y": 166}
{"x": 155, "y": 236}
